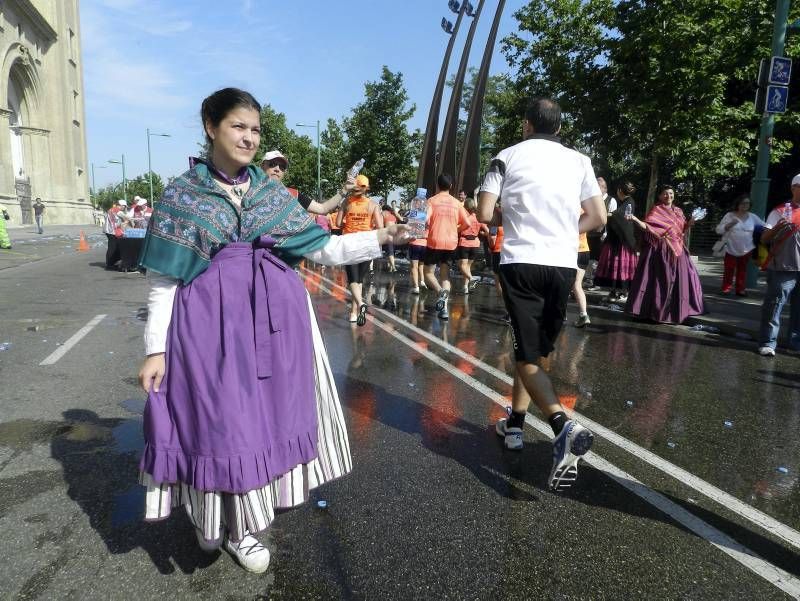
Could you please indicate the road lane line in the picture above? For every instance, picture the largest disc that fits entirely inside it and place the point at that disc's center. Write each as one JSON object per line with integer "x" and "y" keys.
{"x": 769, "y": 572}
{"x": 75, "y": 339}
{"x": 748, "y": 512}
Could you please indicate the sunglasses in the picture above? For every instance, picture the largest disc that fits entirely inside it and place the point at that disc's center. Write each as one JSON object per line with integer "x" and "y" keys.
{"x": 277, "y": 163}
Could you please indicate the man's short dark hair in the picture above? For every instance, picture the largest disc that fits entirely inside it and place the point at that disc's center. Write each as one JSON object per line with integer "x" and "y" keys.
{"x": 544, "y": 115}
{"x": 445, "y": 181}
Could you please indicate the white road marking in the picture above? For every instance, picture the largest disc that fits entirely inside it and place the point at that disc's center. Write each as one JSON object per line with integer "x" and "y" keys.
{"x": 748, "y": 512}
{"x": 773, "y": 574}
{"x": 769, "y": 572}
{"x": 75, "y": 339}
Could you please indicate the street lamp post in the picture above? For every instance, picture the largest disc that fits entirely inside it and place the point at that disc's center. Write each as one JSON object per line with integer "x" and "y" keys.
{"x": 94, "y": 186}
{"x": 124, "y": 179}
{"x": 319, "y": 159}
{"x": 149, "y": 166}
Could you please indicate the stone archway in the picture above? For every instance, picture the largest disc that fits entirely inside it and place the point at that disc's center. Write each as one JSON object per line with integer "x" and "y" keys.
{"x": 19, "y": 86}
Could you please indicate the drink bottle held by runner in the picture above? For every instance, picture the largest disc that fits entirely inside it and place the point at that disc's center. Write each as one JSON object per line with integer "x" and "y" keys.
{"x": 417, "y": 214}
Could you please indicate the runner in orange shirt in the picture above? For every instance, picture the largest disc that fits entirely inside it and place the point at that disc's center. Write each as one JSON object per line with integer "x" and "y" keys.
{"x": 468, "y": 245}
{"x": 360, "y": 214}
{"x": 446, "y": 217}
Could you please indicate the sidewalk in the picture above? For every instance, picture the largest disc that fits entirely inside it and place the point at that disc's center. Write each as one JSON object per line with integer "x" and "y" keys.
{"x": 732, "y": 315}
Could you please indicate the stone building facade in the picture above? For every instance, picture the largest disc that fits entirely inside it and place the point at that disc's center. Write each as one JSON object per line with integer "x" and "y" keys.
{"x": 42, "y": 124}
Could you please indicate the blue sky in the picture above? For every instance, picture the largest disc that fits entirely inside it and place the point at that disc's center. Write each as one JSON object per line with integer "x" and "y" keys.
{"x": 150, "y": 63}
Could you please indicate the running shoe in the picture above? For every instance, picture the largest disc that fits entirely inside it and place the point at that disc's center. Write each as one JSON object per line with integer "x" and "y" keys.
{"x": 362, "y": 315}
{"x": 582, "y": 321}
{"x": 568, "y": 447}
{"x": 444, "y": 313}
{"x": 512, "y": 437}
{"x": 473, "y": 283}
{"x": 766, "y": 351}
{"x": 622, "y": 298}
{"x": 415, "y": 290}
{"x": 441, "y": 302}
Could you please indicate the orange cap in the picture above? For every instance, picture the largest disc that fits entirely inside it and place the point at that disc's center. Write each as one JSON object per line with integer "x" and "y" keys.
{"x": 362, "y": 181}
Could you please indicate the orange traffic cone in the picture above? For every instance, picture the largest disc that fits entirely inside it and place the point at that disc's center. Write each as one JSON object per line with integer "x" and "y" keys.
{"x": 83, "y": 246}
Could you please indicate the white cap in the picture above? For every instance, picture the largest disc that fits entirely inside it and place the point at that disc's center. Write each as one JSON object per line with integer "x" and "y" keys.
{"x": 122, "y": 203}
{"x": 796, "y": 180}
{"x": 141, "y": 202}
{"x": 274, "y": 154}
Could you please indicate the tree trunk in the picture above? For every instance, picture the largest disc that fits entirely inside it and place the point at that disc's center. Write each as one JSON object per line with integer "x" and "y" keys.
{"x": 651, "y": 188}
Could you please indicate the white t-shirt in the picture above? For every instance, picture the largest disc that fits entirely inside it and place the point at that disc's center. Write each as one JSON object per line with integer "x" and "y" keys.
{"x": 740, "y": 236}
{"x": 542, "y": 185}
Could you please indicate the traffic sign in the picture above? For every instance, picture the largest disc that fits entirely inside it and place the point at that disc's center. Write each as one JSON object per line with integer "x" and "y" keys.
{"x": 777, "y": 99}
{"x": 780, "y": 71}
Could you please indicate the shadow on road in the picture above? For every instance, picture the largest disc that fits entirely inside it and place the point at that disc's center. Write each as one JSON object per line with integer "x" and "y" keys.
{"x": 99, "y": 458}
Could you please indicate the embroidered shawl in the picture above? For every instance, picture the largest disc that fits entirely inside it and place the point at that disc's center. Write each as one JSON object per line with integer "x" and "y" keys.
{"x": 665, "y": 225}
{"x": 195, "y": 218}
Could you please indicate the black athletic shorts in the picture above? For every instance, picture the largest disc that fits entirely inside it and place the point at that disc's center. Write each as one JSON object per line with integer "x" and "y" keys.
{"x": 416, "y": 252}
{"x": 496, "y": 262}
{"x": 467, "y": 252}
{"x": 356, "y": 273}
{"x": 437, "y": 257}
{"x": 536, "y": 300}
{"x": 595, "y": 245}
{"x": 583, "y": 259}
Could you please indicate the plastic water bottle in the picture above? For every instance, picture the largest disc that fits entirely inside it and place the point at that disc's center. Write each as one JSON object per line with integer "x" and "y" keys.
{"x": 787, "y": 211}
{"x": 417, "y": 214}
{"x": 628, "y": 211}
{"x": 355, "y": 169}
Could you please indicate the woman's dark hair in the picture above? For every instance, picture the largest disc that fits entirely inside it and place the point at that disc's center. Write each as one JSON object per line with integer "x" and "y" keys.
{"x": 220, "y": 103}
{"x": 544, "y": 115}
{"x": 626, "y": 187}
{"x": 739, "y": 200}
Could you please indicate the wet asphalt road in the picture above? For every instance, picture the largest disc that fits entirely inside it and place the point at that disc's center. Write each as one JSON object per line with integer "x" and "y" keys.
{"x": 434, "y": 509}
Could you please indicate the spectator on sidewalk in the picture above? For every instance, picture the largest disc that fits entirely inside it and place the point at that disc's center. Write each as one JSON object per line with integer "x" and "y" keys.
{"x": 618, "y": 258}
{"x": 666, "y": 287}
{"x": 783, "y": 273}
{"x": 113, "y": 231}
{"x": 38, "y": 213}
{"x": 597, "y": 237}
{"x": 736, "y": 229}
{"x": 5, "y": 241}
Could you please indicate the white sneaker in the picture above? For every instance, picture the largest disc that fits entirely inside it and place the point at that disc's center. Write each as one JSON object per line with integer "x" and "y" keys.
{"x": 250, "y": 553}
{"x": 766, "y": 351}
{"x": 512, "y": 437}
{"x": 568, "y": 447}
{"x": 415, "y": 290}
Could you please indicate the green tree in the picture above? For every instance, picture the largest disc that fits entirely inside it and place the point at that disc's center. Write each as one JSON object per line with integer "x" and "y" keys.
{"x": 335, "y": 154}
{"x": 140, "y": 186}
{"x": 377, "y": 131}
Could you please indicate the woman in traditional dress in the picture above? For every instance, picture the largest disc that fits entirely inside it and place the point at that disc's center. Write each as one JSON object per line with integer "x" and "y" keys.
{"x": 665, "y": 287}
{"x": 242, "y": 415}
{"x": 617, "y": 263}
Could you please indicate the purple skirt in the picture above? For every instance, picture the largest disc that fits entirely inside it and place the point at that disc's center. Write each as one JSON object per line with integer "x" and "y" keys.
{"x": 665, "y": 288}
{"x": 237, "y": 406}
{"x": 616, "y": 266}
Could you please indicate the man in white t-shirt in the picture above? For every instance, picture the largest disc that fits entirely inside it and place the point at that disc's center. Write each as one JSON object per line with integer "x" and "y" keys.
{"x": 783, "y": 273}
{"x": 543, "y": 186}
